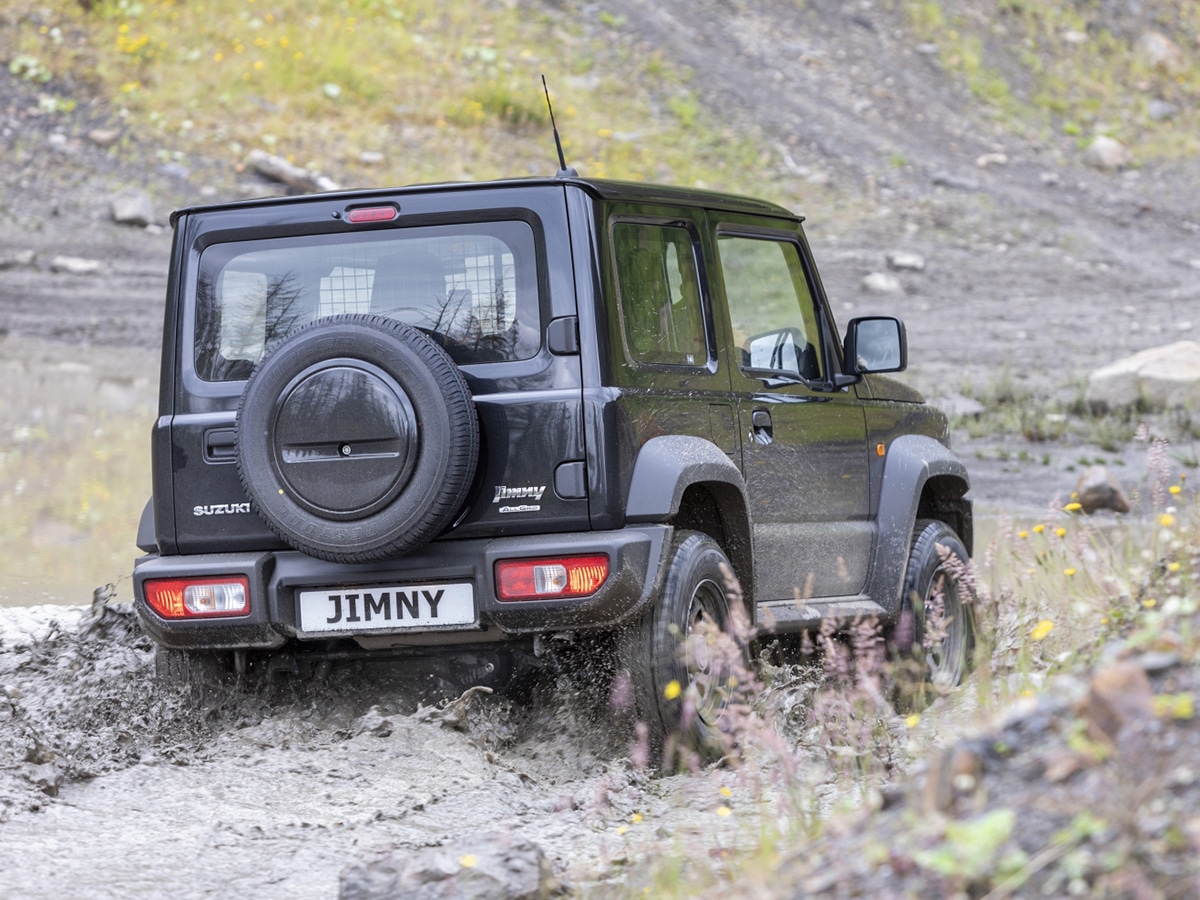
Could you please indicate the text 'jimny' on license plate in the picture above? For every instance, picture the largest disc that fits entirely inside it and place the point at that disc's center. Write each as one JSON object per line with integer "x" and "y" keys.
{"x": 387, "y": 607}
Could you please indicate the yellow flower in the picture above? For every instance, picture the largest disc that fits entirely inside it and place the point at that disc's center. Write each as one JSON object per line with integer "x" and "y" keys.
{"x": 1175, "y": 489}
{"x": 1069, "y": 572}
{"x": 724, "y": 811}
{"x": 1038, "y": 529}
{"x": 468, "y": 861}
{"x": 1166, "y": 520}
{"x": 218, "y": 56}
{"x": 725, "y": 791}
{"x": 672, "y": 690}
{"x": 1073, "y": 507}
{"x": 1022, "y": 534}
{"x": 1149, "y": 603}
{"x": 912, "y": 721}
{"x": 635, "y": 818}
{"x": 1174, "y": 567}
{"x": 1061, "y": 532}
{"x": 621, "y": 829}
{"x": 258, "y": 65}
{"x": 1042, "y": 629}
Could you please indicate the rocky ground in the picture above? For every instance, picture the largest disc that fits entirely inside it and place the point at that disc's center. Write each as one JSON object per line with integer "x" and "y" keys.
{"x": 1036, "y": 268}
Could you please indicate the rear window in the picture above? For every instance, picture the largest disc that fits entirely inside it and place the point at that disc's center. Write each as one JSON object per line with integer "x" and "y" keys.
{"x": 472, "y": 288}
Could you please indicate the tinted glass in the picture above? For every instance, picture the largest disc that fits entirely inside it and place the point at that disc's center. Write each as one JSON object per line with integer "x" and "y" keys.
{"x": 660, "y": 300}
{"x": 473, "y": 288}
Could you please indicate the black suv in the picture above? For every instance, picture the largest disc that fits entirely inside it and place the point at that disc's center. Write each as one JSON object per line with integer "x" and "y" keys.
{"x": 458, "y": 420}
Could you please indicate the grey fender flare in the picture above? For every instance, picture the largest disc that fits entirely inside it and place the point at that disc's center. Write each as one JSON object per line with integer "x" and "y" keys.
{"x": 913, "y": 461}
{"x": 666, "y": 469}
{"x": 666, "y": 466}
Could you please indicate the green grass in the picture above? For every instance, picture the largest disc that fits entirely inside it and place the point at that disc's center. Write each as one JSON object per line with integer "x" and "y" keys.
{"x": 442, "y": 91}
{"x": 1081, "y": 77}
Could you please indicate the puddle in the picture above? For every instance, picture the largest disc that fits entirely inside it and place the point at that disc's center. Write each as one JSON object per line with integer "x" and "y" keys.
{"x": 74, "y": 467}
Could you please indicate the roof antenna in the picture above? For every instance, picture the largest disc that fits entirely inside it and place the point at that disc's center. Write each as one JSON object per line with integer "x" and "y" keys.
{"x": 564, "y": 171}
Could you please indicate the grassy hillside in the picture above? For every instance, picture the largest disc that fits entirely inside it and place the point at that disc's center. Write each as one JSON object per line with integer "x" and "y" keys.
{"x": 379, "y": 91}
{"x": 1076, "y": 67}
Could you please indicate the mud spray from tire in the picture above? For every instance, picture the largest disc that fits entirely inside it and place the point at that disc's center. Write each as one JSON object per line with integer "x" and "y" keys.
{"x": 113, "y": 781}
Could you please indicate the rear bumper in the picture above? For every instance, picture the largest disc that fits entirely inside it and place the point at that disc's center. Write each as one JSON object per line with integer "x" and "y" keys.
{"x": 276, "y": 577}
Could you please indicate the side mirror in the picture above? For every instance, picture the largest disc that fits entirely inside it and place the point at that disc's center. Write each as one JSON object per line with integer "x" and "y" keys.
{"x": 876, "y": 344}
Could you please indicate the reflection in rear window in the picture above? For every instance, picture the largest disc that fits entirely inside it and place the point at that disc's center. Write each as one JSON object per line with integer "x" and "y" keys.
{"x": 472, "y": 288}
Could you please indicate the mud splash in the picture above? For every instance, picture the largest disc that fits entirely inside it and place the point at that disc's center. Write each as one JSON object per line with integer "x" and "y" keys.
{"x": 114, "y": 783}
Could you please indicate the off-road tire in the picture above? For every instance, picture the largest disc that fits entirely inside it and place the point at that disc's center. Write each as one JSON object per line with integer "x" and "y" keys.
{"x": 201, "y": 669}
{"x": 357, "y": 439}
{"x": 922, "y": 673}
{"x": 683, "y": 674}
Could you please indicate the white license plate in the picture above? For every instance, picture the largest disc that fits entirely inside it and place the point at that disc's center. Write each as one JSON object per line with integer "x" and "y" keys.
{"x": 385, "y": 607}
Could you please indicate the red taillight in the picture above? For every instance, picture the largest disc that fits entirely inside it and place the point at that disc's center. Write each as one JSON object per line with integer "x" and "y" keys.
{"x": 550, "y": 579}
{"x": 371, "y": 214}
{"x": 189, "y": 598}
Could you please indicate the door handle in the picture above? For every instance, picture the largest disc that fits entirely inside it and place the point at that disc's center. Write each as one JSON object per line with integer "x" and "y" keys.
{"x": 761, "y": 429}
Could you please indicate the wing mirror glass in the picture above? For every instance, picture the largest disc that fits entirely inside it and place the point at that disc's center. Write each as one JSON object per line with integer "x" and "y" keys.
{"x": 876, "y": 344}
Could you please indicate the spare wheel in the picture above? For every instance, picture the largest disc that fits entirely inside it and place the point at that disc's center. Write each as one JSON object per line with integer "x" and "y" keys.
{"x": 357, "y": 439}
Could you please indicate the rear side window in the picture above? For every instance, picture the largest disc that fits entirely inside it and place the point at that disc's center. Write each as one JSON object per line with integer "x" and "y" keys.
{"x": 661, "y": 314}
{"x": 472, "y": 288}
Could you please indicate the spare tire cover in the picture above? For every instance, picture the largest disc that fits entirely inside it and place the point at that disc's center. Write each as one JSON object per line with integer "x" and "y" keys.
{"x": 357, "y": 438}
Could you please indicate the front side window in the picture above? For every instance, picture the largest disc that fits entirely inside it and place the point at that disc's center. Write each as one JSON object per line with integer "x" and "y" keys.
{"x": 770, "y": 306}
{"x": 661, "y": 312}
{"x": 472, "y": 288}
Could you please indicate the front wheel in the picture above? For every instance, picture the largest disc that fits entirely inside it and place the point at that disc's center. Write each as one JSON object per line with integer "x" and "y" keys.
{"x": 933, "y": 640}
{"x": 683, "y": 659}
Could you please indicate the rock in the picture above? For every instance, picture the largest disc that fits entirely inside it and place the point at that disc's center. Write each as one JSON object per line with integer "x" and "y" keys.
{"x": 945, "y": 179}
{"x": 991, "y": 159}
{"x": 1049, "y": 179}
{"x": 881, "y": 283}
{"x": 906, "y": 262}
{"x": 957, "y": 405}
{"x": 103, "y": 137}
{"x": 18, "y": 258}
{"x": 59, "y": 142}
{"x": 74, "y": 265}
{"x": 132, "y": 207}
{"x": 279, "y": 169}
{"x": 1162, "y": 377}
{"x": 1160, "y": 52}
{"x": 370, "y": 158}
{"x": 1106, "y": 153}
{"x": 1098, "y": 489}
{"x": 1160, "y": 110}
{"x": 1118, "y": 697}
{"x": 487, "y": 866}
{"x": 175, "y": 170}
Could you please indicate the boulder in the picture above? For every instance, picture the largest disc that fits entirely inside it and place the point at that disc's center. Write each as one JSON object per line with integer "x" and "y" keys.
{"x": 906, "y": 262}
{"x": 1160, "y": 52}
{"x": 1106, "y": 153}
{"x": 74, "y": 265}
{"x": 1098, "y": 489}
{"x": 487, "y": 866}
{"x": 132, "y": 207}
{"x": 881, "y": 283}
{"x": 1162, "y": 377}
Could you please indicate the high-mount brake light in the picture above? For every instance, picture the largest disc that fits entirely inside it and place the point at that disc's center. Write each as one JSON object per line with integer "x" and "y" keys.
{"x": 364, "y": 214}
{"x": 550, "y": 579}
{"x": 199, "y": 598}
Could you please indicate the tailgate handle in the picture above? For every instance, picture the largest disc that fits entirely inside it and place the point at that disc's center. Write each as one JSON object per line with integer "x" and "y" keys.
{"x": 220, "y": 445}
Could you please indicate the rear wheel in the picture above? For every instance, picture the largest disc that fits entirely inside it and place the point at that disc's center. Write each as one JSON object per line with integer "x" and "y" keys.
{"x": 682, "y": 658}
{"x": 933, "y": 640}
{"x": 202, "y": 670}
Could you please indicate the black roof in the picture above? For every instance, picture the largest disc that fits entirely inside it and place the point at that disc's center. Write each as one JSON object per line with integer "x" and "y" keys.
{"x": 632, "y": 191}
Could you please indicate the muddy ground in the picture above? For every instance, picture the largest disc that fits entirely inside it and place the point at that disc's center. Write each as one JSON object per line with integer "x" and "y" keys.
{"x": 1037, "y": 271}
